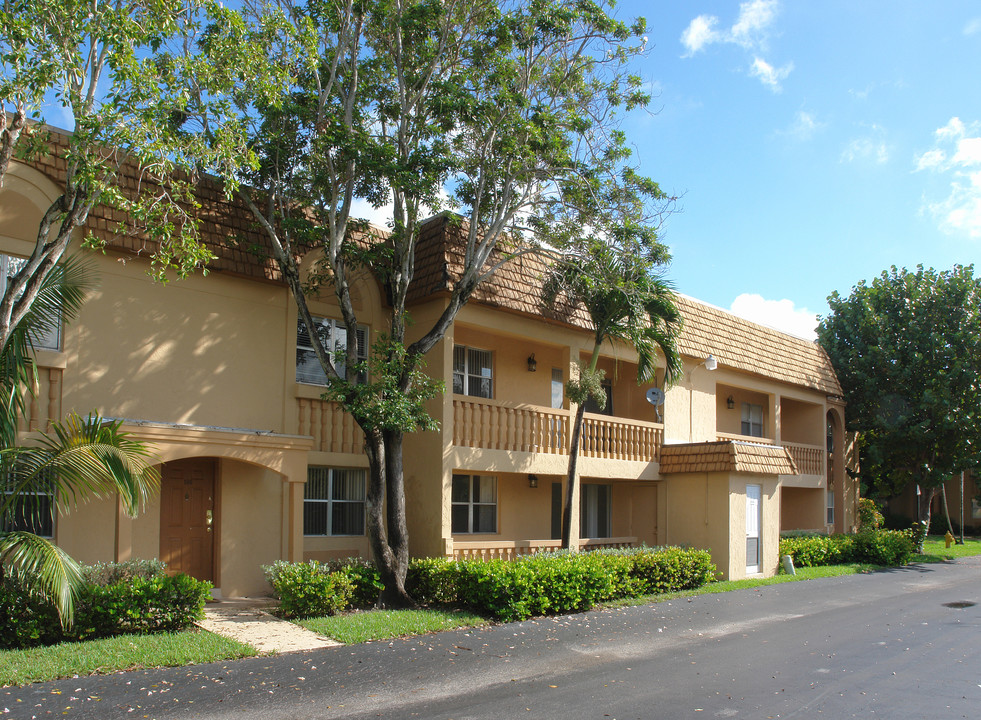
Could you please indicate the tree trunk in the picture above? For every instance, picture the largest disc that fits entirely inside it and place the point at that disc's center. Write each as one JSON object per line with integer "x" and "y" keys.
{"x": 925, "y": 504}
{"x": 570, "y": 485}
{"x": 394, "y": 594}
{"x": 381, "y": 551}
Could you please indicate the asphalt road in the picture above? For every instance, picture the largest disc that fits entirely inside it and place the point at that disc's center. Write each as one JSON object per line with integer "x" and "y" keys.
{"x": 904, "y": 643}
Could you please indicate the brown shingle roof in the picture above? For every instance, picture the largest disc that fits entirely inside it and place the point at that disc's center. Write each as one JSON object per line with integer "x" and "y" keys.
{"x": 232, "y": 235}
{"x": 754, "y": 348}
{"x": 726, "y": 456}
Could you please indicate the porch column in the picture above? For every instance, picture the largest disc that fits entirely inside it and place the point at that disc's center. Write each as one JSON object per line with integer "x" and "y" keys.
{"x": 296, "y": 478}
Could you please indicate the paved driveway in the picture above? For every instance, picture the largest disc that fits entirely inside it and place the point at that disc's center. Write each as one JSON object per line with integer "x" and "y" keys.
{"x": 904, "y": 643}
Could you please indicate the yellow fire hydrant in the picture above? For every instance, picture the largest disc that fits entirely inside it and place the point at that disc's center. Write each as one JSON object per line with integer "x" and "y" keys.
{"x": 949, "y": 539}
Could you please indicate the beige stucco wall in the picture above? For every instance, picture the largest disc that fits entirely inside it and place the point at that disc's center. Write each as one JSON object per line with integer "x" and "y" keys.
{"x": 708, "y": 511}
{"x": 803, "y": 508}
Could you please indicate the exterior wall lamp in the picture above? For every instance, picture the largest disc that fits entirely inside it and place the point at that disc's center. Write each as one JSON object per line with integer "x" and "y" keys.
{"x": 730, "y": 403}
{"x": 532, "y": 481}
{"x": 532, "y": 363}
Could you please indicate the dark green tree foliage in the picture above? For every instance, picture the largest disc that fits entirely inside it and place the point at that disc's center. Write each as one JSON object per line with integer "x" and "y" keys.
{"x": 493, "y": 111}
{"x": 907, "y": 350}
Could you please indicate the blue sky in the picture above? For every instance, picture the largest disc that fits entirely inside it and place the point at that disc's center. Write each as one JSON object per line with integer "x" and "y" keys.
{"x": 814, "y": 144}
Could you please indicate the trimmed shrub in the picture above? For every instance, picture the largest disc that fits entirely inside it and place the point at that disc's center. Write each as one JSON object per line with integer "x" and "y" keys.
{"x": 813, "y": 550}
{"x": 308, "y": 589}
{"x": 883, "y": 547}
{"x": 117, "y": 598}
{"x": 366, "y": 583}
{"x": 550, "y": 583}
{"x": 432, "y": 581}
{"x": 869, "y": 517}
{"x": 27, "y": 619}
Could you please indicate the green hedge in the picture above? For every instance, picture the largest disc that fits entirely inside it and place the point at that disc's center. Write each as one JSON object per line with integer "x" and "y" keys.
{"x": 877, "y": 547}
{"x": 309, "y": 589}
{"x": 550, "y": 583}
{"x": 542, "y": 584}
{"x": 116, "y": 598}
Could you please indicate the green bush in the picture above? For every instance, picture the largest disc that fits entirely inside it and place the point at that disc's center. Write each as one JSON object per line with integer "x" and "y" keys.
{"x": 869, "y": 517}
{"x": 877, "y": 547}
{"x": 309, "y": 589}
{"x": 550, "y": 583}
{"x": 116, "y": 598}
{"x": 27, "y": 619}
{"x": 365, "y": 581}
{"x": 432, "y": 581}
{"x": 883, "y": 547}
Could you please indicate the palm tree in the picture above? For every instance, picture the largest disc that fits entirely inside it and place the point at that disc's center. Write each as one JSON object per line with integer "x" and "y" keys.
{"x": 627, "y": 301}
{"x": 77, "y": 459}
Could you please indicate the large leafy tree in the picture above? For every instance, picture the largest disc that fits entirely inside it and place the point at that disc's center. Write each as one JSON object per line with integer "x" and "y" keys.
{"x": 907, "y": 350}
{"x": 77, "y": 459}
{"x": 483, "y": 108}
{"x": 139, "y": 105}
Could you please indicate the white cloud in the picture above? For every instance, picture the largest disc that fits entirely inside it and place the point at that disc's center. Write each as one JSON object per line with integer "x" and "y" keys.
{"x": 803, "y": 127}
{"x": 769, "y": 75}
{"x": 955, "y": 158}
{"x": 699, "y": 33}
{"x": 754, "y": 19}
{"x": 931, "y": 159}
{"x": 973, "y": 26}
{"x": 779, "y": 314}
{"x": 866, "y": 150}
{"x": 750, "y": 31}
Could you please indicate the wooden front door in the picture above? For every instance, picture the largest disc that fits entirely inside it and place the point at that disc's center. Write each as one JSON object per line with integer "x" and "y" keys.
{"x": 187, "y": 510}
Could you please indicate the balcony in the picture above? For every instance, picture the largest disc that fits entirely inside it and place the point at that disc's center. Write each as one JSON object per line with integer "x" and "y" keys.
{"x": 809, "y": 459}
{"x": 494, "y": 425}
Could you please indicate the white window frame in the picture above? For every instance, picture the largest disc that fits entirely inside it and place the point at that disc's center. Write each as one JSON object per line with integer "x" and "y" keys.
{"x": 472, "y": 505}
{"x": 330, "y": 501}
{"x": 469, "y": 375}
{"x": 312, "y": 373}
{"x": 829, "y": 504}
{"x": 747, "y": 419}
{"x": 8, "y": 524}
{"x": 51, "y": 338}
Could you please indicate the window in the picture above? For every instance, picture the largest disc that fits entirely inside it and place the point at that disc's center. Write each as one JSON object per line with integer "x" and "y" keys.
{"x": 752, "y": 423}
{"x": 473, "y": 372}
{"x": 334, "y": 501}
{"x": 334, "y": 336}
{"x": 831, "y": 506}
{"x": 594, "y": 508}
{"x": 474, "y": 499}
{"x": 32, "y": 510}
{"x": 558, "y": 390}
{"x": 46, "y": 338}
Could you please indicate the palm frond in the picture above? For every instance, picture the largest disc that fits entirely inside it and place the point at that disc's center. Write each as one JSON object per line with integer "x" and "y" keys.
{"x": 44, "y": 568}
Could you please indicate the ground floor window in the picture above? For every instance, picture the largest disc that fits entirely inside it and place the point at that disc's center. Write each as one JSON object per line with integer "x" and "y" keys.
{"x": 28, "y": 509}
{"x": 334, "y": 501}
{"x": 595, "y": 511}
{"x": 474, "y": 501}
{"x": 831, "y": 506}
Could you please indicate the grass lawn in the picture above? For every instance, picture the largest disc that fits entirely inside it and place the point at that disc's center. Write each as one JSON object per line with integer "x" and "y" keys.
{"x": 125, "y": 652}
{"x": 359, "y": 627}
{"x": 935, "y": 550}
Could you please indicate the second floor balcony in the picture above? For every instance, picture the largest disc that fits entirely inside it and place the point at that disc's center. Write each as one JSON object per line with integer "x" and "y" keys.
{"x": 518, "y": 427}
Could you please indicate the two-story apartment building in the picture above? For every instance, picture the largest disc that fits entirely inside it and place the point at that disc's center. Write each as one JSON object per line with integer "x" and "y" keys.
{"x": 216, "y": 374}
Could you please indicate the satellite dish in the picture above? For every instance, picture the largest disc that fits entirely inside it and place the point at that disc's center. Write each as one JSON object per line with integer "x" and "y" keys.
{"x": 655, "y": 396}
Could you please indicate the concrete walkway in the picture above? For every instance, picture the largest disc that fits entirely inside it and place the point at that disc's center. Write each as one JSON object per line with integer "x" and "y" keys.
{"x": 248, "y": 620}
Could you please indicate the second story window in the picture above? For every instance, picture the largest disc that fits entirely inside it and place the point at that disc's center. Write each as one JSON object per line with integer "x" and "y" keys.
{"x": 334, "y": 336}
{"x": 473, "y": 372}
{"x": 46, "y": 339}
{"x": 752, "y": 420}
